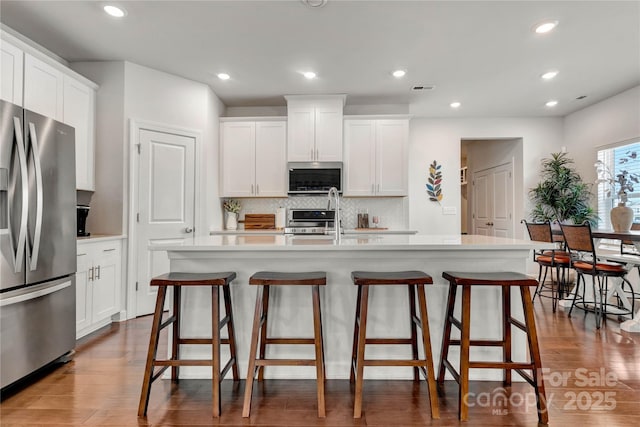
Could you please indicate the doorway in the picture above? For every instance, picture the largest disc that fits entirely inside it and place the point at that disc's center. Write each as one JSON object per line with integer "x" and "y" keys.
{"x": 492, "y": 199}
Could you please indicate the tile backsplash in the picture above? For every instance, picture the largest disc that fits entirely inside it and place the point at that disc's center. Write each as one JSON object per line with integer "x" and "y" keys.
{"x": 392, "y": 211}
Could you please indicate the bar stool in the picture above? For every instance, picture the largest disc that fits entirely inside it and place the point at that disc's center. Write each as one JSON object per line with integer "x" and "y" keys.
{"x": 415, "y": 281}
{"x": 506, "y": 280}
{"x": 177, "y": 281}
{"x": 259, "y": 334}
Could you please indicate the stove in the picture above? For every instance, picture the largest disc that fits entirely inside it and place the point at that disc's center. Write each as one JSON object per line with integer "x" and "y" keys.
{"x": 309, "y": 221}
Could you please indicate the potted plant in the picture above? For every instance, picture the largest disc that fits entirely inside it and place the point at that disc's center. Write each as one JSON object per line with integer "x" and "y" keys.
{"x": 231, "y": 208}
{"x": 561, "y": 195}
{"x": 621, "y": 215}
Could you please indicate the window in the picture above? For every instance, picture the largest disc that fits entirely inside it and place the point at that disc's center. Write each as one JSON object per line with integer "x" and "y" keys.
{"x": 618, "y": 159}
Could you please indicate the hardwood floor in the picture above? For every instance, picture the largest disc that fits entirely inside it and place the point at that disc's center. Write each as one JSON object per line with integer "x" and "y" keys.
{"x": 101, "y": 386}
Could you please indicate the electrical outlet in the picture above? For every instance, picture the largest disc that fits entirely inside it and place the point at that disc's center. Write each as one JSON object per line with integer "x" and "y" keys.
{"x": 449, "y": 210}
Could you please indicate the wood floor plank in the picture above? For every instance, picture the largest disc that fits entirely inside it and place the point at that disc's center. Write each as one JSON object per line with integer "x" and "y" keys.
{"x": 101, "y": 387}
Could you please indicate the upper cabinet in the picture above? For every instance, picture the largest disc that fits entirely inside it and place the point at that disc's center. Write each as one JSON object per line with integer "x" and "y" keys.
{"x": 11, "y": 73}
{"x": 376, "y": 156}
{"x": 43, "y": 88}
{"x": 79, "y": 112}
{"x": 41, "y": 84}
{"x": 253, "y": 157}
{"x": 314, "y": 128}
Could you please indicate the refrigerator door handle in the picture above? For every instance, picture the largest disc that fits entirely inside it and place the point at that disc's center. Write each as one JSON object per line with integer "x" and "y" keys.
{"x": 22, "y": 234}
{"x": 35, "y": 151}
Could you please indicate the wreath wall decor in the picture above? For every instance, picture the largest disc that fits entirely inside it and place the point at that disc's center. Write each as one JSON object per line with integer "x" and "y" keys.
{"x": 434, "y": 182}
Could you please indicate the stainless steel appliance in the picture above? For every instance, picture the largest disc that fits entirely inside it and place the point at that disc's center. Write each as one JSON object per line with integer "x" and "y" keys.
{"x": 314, "y": 178}
{"x": 310, "y": 221}
{"x": 37, "y": 241}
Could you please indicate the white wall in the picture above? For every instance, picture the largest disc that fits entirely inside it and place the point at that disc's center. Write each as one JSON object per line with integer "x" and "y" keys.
{"x": 107, "y": 215}
{"x": 439, "y": 139}
{"x": 611, "y": 121}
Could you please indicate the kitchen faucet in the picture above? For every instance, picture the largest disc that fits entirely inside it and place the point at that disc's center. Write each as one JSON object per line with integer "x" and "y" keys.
{"x": 333, "y": 193}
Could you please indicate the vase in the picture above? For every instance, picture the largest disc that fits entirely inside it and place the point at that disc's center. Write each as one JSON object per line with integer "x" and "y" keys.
{"x": 232, "y": 221}
{"x": 621, "y": 218}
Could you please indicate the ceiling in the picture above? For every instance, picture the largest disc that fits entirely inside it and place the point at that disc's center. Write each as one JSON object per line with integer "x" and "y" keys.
{"x": 482, "y": 54}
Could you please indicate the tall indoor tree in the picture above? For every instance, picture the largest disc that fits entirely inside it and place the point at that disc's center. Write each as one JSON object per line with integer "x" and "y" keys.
{"x": 561, "y": 195}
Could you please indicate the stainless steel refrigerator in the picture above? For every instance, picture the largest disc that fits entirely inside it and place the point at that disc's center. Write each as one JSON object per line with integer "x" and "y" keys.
{"x": 37, "y": 241}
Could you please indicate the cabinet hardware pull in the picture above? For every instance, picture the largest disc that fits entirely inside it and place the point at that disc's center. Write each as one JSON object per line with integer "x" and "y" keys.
{"x": 373, "y": 189}
{"x": 98, "y": 274}
{"x": 91, "y": 274}
{"x": 251, "y": 188}
{"x": 257, "y": 189}
{"x": 317, "y": 154}
{"x": 312, "y": 153}
{"x": 81, "y": 254}
{"x": 108, "y": 250}
{"x": 188, "y": 230}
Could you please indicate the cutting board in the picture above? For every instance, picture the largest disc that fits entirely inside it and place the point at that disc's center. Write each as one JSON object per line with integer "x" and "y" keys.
{"x": 259, "y": 221}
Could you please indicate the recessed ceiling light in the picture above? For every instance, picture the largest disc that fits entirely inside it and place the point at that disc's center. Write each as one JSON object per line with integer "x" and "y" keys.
{"x": 549, "y": 75}
{"x": 455, "y": 104}
{"x": 551, "y": 103}
{"x": 314, "y": 3}
{"x": 115, "y": 11}
{"x": 545, "y": 27}
{"x": 224, "y": 76}
{"x": 399, "y": 73}
{"x": 309, "y": 75}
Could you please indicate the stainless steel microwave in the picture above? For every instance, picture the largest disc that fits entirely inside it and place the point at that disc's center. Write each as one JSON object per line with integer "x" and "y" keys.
{"x": 314, "y": 177}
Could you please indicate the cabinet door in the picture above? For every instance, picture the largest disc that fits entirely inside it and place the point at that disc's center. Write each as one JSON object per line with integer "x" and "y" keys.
{"x": 43, "y": 88}
{"x": 359, "y": 164}
{"x": 301, "y": 133}
{"x": 328, "y": 132}
{"x": 238, "y": 159}
{"x": 79, "y": 108}
{"x": 106, "y": 282}
{"x": 11, "y": 69}
{"x": 392, "y": 138}
{"x": 83, "y": 289}
{"x": 271, "y": 159}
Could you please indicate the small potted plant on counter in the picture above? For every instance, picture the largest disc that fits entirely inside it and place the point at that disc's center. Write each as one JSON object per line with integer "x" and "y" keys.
{"x": 231, "y": 209}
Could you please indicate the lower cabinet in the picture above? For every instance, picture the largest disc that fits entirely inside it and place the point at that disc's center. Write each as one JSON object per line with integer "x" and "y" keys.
{"x": 97, "y": 284}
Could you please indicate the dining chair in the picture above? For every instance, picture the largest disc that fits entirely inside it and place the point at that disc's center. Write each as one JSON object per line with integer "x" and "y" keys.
{"x": 583, "y": 258}
{"x": 627, "y": 247}
{"x": 557, "y": 260}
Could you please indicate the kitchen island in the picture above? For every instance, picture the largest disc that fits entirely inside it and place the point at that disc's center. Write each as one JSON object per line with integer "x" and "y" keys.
{"x": 290, "y": 308}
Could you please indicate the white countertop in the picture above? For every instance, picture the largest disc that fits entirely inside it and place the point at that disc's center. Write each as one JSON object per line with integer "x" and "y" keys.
{"x": 100, "y": 238}
{"x": 281, "y": 231}
{"x": 359, "y": 242}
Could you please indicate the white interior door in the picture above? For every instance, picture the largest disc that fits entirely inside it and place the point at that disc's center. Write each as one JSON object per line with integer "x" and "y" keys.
{"x": 166, "y": 198}
{"x": 493, "y": 201}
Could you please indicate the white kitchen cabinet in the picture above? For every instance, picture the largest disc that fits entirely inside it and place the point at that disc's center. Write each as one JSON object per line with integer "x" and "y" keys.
{"x": 97, "y": 284}
{"x": 41, "y": 84}
{"x": 11, "y": 73}
{"x": 43, "y": 88}
{"x": 376, "y": 157}
{"x": 79, "y": 112}
{"x": 314, "y": 128}
{"x": 253, "y": 158}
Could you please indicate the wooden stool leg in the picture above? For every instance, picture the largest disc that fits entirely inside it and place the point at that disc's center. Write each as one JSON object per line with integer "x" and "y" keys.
{"x": 231, "y": 332}
{"x": 414, "y": 329}
{"x": 215, "y": 350}
{"x": 506, "y": 331}
{"x": 428, "y": 354}
{"x": 356, "y": 329}
{"x": 263, "y": 330}
{"x": 464, "y": 353}
{"x": 324, "y": 366}
{"x": 151, "y": 353}
{"x": 317, "y": 328}
{"x": 534, "y": 351}
{"x": 175, "y": 346}
{"x": 251, "y": 370}
{"x": 362, "y": 336}
{"x": 446, "y": 336}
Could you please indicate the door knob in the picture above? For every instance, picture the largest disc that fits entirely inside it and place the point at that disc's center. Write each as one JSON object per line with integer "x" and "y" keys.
{"x": 188, "y": 230}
